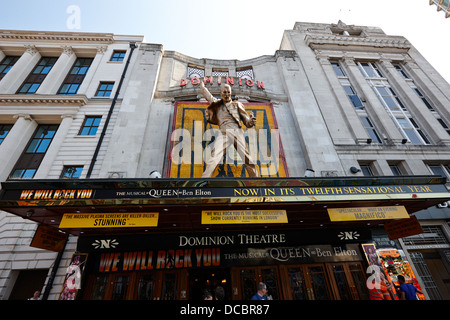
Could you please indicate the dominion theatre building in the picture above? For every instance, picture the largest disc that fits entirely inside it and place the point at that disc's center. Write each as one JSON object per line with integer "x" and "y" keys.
{"x": 104, "y": 140}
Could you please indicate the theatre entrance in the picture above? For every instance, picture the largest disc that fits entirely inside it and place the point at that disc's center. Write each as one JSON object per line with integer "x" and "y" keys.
{"x": 209, "y": 279}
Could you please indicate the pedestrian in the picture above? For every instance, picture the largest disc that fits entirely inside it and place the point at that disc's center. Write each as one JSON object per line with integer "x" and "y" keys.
{"x": 207, "y": 295}
{"x": 36, "y": 296}
{"x": 407, "y": 291}
{"x": 261, "y": 293}
{"x": 219, "y": 293}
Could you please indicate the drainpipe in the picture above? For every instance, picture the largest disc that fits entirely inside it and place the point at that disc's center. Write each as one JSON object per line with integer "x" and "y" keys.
{"x": 133, "y": 46}
{"x": 51, "y": 278}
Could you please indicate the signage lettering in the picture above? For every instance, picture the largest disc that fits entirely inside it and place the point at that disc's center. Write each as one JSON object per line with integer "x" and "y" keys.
{"x": 227, "y": 80}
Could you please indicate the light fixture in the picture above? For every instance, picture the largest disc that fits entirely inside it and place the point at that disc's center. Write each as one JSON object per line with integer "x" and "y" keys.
{"x": 354, "y": 170}
{"x": 309, "y": 173}
{"x": 369, "y": 141}
{"x": 155, "y": 174}
{"x": 404, "y": 141}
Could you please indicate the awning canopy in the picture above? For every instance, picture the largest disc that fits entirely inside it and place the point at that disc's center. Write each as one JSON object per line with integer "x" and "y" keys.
{"x": 180, "y": 202}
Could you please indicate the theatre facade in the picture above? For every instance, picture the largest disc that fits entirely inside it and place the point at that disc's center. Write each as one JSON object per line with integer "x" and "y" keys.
{"x": 346, "y": 155}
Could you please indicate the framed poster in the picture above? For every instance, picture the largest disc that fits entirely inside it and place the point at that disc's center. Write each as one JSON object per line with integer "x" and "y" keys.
{"x": 192, "y": 139}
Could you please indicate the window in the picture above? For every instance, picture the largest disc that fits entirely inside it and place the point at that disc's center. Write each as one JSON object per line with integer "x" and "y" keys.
{"x": 369, "y": 70}
{"x": 245, "y": 73}
{"x": 37, "y": 76}
{"x": 195, "y": 72}
{"x": 217, "y": 72}
{"x": 118, "y": 55}
{"x": 337, "y": 69}
{"x": 104, "y": 89}
{"x": 357, "y": 103}
{"x": 441, "y": 170}
{"x": 71, "y": 172}
{"x": 6, "y": 65}
{"x": 30, "y": 160}
{"x": 371, "y": 130}
{"x": 390, "y": 98}
{"x": 4, "y": 130}
{"x": 90, "y": 126}
{"x": 395, "y": 170}
{"x": 76, "y": 76}
{"x": 366, "y": 170}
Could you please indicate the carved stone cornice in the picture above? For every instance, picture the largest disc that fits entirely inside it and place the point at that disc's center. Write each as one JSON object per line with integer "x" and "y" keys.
{"x": 37, "y": 36}
{"x": 333, "y": 40}
{"x": 57, "y": 100}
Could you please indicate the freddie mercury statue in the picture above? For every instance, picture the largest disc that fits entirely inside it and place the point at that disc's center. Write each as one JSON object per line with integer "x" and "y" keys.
{"x": 228, "y": 114}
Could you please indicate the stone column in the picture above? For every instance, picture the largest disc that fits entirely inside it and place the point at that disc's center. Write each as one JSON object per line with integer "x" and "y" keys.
{"x": 15, "y": 143}
{"x": 57, "y": 74}
{"x": 375, "y": 108}
{"x": 347, "y": 109}
{"x": 92, "y": 70}
{"x": 55, "y": 146}
{"x": 21, "y": 69}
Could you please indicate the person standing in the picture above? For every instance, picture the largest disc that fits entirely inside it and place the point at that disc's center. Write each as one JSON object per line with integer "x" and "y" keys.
{"x": 36, "y": 296}
{"x": 407, "y": 291}
{"x": 228, "y": 114}
{"x": 261, "y": 293}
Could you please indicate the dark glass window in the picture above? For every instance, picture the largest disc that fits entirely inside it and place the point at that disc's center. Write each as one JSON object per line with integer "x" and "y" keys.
{"x": 37, "y": 76}
{"x": 4, "y": 130}
{"x": 90, "y": 126}
{"x": 7, "y": 64}
{"x": 76, "y": 76}
{"x": 30, "y": 160}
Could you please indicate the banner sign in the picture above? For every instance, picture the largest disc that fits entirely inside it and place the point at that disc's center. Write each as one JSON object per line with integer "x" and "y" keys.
{"x": 192, "y": 140}
{"x": 296, "y": 193}
{"x": 244, "y": 216}
{"x": 109, "y": 220}
{"x": 49, "y": 238}
{"x": 222, "y": 257}
{"x": 403, "y": 228}
{"x": 374, "y": 213}
{"x": 222, "y": 240}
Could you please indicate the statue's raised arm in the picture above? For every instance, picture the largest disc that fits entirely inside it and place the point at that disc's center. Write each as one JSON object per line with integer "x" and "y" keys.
{"x": 206, "y": 94}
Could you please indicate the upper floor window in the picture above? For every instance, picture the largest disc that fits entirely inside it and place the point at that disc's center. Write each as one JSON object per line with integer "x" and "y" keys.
{"x": 90, "y": 126}
{"x": 104, "y": 89}
{"x": 37, "y": 76}
{"x": 369, "y": 70}
{"x": 245, "y": 73}
{"x": 337, "y": 69}
{"x": 4, "y": 130}
{"x": 217, "y": 72}
{"x": 195, "y": 72}
{"x": 71, "y": 172}
{"x": 7, "y": 64}
{"x": 118, "y": 55}
{"x": 31, "y": 158}
{"x": 441, "y": 170}
{"x": 76, "y": 76}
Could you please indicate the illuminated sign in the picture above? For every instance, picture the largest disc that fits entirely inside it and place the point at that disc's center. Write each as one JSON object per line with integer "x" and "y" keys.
{"x": 109, "y": 220}
{"x": 374, "y": 213}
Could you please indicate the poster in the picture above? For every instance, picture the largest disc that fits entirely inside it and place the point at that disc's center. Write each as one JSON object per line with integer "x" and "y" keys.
{"x": 192, "y": 139}
{"x": 74, "y": 273}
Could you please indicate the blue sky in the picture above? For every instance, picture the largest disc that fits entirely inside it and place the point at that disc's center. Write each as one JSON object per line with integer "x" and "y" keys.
{"x": 233, "y": 29}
